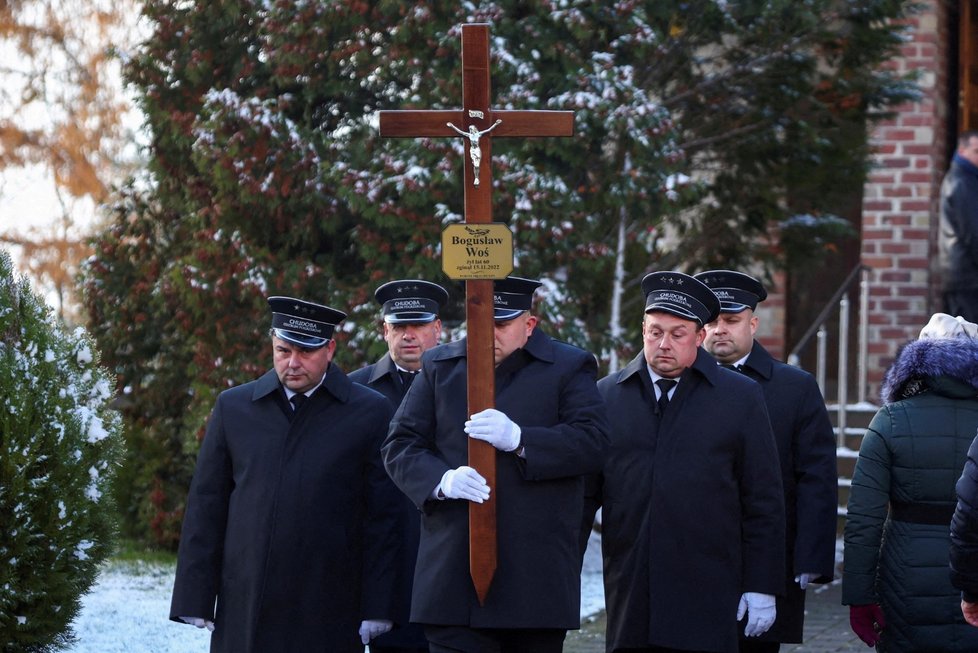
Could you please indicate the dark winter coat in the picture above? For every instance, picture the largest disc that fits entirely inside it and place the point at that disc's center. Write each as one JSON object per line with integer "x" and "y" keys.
{"x": 693, "y": 513}
{"x": 383, "y": 377}
{"x": 959, "y": 227}
{"x": 289, "y": 525}
{"x": 809, "y": 476}
{"x": 964, "y": 530}
{"x": 903, "y": 496}
{"x": 548, "y": 389}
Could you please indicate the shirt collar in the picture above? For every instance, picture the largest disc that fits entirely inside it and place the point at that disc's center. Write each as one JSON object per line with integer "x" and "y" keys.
{"x": 738, "y": 363}
{"x": 655, "y": 376}
{"x": 308, "y": 393}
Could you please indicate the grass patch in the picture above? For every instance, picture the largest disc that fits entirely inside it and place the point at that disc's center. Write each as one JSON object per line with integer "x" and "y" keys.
{"x": 132, "y": 551}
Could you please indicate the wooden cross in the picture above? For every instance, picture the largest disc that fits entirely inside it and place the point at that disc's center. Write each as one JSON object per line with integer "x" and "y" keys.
{"x": 479, "y": 124}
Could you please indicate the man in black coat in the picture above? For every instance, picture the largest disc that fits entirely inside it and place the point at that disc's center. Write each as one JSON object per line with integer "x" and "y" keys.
{"x": 549, "y": 429}
{"x": 964, "y": 537}
{"x": 959, "y": 230}
{"x": 410, "y": 309}
{"x": 693, "y": 516}
{"x": 290, "y": 524}
{"x": 806, "y": 449}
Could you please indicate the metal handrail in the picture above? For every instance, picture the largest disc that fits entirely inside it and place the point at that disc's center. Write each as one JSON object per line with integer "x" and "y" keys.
{"x": 824, "y": 315}
{"x": 863, "y": 370}
{"x": 843, "y": 380}
{"x": 841, "y": 299}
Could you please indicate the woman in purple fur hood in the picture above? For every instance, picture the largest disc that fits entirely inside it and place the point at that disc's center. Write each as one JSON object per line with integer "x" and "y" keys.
{"x": 896, "y": 578}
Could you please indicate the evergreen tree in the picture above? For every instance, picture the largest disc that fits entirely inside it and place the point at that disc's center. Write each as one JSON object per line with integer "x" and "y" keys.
{"x": 59, "y": 445}
{"x": 700, "y": 126}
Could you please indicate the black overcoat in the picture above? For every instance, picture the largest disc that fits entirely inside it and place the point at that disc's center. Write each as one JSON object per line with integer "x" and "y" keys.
{"x": 809, "y": 476}
{"x": 958, "y": 238}
{"x": 693, "y": 513}
{"x": 548, "y": 389}
{"x": 289, "y": 526}
{"x": 964, "y": 529}
{"x": 383, "y": 377}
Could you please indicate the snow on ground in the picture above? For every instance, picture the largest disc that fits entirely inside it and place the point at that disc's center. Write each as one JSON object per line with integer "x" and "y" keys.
{"x": 128, "y": 609}
{"x": 592, "y": 585}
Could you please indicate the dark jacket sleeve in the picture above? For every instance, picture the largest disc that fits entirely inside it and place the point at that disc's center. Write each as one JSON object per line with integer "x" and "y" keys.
{"x": 199, "y": 560}
{"x": 866, "y": 513}
{"x": 762, "y": 502}
{"x": 964, "y": 530}
{"x": 577, "y": 443}
{"x": 817, "y": 489}
{"x": 960, "y": 209}
{"x": 410, "y": 451}
{"x": 382, "y": 535}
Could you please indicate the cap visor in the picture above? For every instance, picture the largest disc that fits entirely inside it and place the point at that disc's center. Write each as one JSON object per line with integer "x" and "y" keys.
{"x": 506, "y": 314}
{"x": 409, "y": 318}
{"x": 672, "y": 310}
{"x": 309, "y": 342}
{"x": 731, "y": 307}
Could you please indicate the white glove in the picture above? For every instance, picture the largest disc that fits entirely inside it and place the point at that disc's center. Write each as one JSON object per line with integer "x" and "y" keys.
{"x": 804, "y": 579}
{"x": 200, "y": 623}
{"x": 760, "y": 610}
{"x": 495, "y": 428}
{"x": 464, "y": 483}
{"x": 370, "y": 628}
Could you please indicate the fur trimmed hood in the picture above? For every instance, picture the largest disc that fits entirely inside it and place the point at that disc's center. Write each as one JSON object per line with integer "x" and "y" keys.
{"x": 921, "y": 361}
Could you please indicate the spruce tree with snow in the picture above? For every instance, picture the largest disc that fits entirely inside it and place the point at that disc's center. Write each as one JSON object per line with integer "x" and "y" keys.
{"x": 59, "y": 445}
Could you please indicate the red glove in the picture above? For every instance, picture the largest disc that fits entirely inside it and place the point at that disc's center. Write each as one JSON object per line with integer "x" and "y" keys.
{"x": 867, "y": 621}
{"x": 970, "y": 612}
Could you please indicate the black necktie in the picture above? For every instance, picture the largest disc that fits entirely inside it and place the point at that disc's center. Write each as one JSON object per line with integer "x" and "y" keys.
{"x": 735, "y": 368}
{"x": 665, "y": 385}
{"x": 297, "y": 400}
{"x": 407, "y": 378}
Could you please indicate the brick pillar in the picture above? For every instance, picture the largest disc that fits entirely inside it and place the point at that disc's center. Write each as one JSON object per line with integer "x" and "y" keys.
{"x": 901, "y": 198}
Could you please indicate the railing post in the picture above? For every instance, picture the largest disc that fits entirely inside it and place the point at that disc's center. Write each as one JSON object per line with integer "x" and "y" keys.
{"x": 821, "y": 338}
{"x": 843, "y": 367}
{"x": 863, "y": 335}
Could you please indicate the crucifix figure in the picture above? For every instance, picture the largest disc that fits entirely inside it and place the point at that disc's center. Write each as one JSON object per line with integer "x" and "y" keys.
{"x": 480, "y": 125}
{"x": 474, "y": 152}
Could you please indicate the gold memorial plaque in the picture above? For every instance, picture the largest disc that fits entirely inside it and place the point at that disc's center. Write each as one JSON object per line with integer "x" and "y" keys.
{"x": 477, "y": 251}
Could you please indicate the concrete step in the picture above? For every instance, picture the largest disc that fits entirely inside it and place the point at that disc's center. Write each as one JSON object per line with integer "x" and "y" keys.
{"x": 857, "y": 415}
{"x": 844, "y": 486}
{"x": 845, "y": 457}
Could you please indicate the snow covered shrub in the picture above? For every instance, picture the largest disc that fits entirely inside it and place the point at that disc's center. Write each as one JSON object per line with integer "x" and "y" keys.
{"x": 59, "y": 446}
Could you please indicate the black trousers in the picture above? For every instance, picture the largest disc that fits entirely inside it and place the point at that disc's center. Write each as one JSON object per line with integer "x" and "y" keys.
{"x": 656, "y": 649}
{"x": 462, "y": 639}
{"x": 746, "y": 646}
{"x": 755, "y": 646}
{"x": 963, "y": 303}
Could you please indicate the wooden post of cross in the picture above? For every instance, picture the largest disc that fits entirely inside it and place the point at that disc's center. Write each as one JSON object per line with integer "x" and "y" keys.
{"x": 478, "y": 124}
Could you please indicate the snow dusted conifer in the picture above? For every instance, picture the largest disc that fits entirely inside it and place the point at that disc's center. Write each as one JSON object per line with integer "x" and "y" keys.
{"x": 59, "y": 445}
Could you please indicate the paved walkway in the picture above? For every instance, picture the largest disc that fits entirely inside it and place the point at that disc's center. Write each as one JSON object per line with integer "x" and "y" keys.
{"x": 826, "y": 623}
{"x": 826, "y": 627}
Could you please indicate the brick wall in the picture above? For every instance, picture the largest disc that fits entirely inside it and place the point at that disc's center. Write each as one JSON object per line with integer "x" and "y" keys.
{"x": 900, "y": 201}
